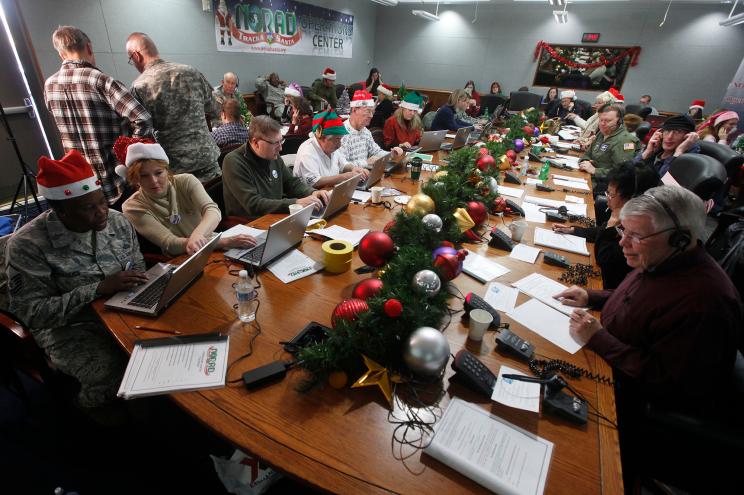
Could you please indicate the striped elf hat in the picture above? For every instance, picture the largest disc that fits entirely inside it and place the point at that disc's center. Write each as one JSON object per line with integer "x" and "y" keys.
{"x": 68, "y": 178}
{"x": 328, "y": 123}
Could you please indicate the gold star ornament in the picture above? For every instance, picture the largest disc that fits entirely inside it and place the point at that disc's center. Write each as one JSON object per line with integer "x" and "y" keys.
{"x": 380, "y": 376}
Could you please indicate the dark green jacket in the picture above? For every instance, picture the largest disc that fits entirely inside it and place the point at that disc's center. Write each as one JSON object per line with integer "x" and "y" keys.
{"x": 319, "y": 92}
{"x": 253, "y": 187}
{"x": 605, "y": 153}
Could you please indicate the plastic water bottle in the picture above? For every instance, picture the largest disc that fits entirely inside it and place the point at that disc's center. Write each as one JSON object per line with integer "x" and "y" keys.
{"x": 545, "y": 171}
{"x": 525, "y": 166}
{"x": 247, "y": 302}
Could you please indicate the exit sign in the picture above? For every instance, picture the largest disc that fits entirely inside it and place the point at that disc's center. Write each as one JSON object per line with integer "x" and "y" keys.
{"x": 590, "y": 38}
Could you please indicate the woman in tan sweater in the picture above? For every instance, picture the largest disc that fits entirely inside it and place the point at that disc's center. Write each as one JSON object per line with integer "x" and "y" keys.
{"x": 174, "y": 212}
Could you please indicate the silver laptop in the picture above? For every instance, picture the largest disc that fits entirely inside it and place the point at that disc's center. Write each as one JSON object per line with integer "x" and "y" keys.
{"x": 340, "y": 197}
{"x": 280, "y": 238}
{"x": 378, "y": 170}
{"x": 165, "y": 283}
{"x": 461, "y": 139}
{"x": 430, "y": 141}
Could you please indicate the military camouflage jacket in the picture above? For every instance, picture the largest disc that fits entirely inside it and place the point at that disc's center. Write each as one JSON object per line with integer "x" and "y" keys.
{"x": 178, "y": 97}
{"x": 53, "y": 273}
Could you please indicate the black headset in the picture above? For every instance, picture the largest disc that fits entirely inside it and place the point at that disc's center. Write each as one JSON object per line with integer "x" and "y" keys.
{"x": 680, "y": 238}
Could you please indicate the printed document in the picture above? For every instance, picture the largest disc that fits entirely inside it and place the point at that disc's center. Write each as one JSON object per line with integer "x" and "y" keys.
{"x": 524, "y": 252}
{"x": 546, "y": 322}
{"x": 514, "y": 393}
{"x": 543, "y": 289}
{"x": 492, "y": 452}
{"x": 502, "y": 297}
{"x": 294, "y": 266}
{"x": 565, "y": 242}
{"x": 481, "y": 268}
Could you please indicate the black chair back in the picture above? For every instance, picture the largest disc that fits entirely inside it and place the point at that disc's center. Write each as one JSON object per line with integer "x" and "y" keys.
{"x": 634, "y": 109}
{"x": 354, "y": 87}
{"x": 292, "y": 144}
{"x": 699, "y": 173}
{"x": 584, "y": 109}
{"x": 522, "y": 100}
{"x": 642, "y": 130}
{"x": 225, "y": 150}
{"x": 377, "y": 136}
{"x": 339, "y": 90}
{"x": 730, "y": 159}
{"x": 305, "y": 90}
{"x": 214, "y": 190}
{"x": 490, "y": 102}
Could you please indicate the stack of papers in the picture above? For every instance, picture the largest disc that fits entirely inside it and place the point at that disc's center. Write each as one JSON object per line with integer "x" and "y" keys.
{"x": 481, "y": 268}
{"x": 338, "y": 233}
{"x": 572, "y": 182}
{"x": 567, "y": 161}
{"x": 543, "y": 289}
{"x": 564, "y": 242}
{"x": 175, "y": 364}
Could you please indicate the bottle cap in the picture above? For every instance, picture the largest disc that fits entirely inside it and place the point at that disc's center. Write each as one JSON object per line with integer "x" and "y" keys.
{"x": 243, "y": 273}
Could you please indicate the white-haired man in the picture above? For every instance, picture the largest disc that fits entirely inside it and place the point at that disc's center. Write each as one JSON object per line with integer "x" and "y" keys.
{"x": 359, "y": 147}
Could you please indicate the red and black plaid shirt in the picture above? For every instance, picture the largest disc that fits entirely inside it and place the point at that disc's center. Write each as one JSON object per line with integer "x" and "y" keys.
{"x": 91, "y": 109}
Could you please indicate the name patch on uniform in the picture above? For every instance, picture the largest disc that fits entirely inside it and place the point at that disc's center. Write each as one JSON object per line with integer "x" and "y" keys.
{"x": 628, "y": 147}
{"x": 604, "y": 147}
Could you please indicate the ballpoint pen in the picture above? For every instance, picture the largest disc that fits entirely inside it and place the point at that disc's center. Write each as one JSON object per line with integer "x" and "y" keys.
{"x": 159, "y": 330}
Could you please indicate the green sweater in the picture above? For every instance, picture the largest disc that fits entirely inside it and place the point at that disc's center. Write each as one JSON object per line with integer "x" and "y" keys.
{"x": 319, "y": 92}
{"x": 253, "y": 187}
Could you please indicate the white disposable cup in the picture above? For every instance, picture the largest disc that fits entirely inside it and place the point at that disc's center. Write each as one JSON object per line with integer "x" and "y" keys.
{"x": 480, "y": 319}
{"x": 518, "y": 229}
{"x": 376, "y": 194}
{"x": 295, "y": 208}
{"x": 553, "y": 139}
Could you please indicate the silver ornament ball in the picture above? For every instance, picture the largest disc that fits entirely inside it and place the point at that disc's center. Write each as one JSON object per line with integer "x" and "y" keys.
{"x": 427, "y": 351}
{"x": 432, "y": 221}
{"x": 427, "y": 283}
{"x": 492, "y": 185}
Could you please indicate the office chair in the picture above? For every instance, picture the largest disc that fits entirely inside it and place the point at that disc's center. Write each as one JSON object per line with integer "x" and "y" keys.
{"x": 490, "y": 102}
{"x": 634, "y": 109}
{"x": 339, "y": 90}
{"x": 699, "y": 173}
{"x": 377, "y": 136}
{"x": 354, "y": 87}
{"x": 215, "y": 191}
{"x": 292, "y": 144}
{"x": 643, "y": 130}
{"x": 522, "y": 100}
{"x": 584, "y": 109}
{"x": 730, "y": 159}
{"x": 225, "y": 150}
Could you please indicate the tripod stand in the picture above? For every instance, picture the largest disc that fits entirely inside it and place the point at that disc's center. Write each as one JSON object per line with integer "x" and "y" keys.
{"x": 27, "y": 177}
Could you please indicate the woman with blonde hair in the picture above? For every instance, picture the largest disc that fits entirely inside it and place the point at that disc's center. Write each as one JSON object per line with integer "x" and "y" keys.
{"x": 404, "y": 127}
{"x": 445, "y": 118}
{"x": 174, "y": 212}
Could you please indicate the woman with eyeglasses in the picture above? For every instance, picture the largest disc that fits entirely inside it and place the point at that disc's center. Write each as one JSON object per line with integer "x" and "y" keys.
{"x": 626, "y": 181}
{"x": 174, "y": 212}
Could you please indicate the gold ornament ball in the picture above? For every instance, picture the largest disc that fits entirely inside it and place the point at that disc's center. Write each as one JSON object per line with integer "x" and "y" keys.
{"x": 420, "y": 204}
{"x": 338, "y": 379}
{"x": 440, "y": 174}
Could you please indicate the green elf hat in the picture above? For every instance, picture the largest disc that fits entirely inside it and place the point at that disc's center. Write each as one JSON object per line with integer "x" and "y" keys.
{"x": 328, "y": 123}
{"x": 412, "y": 101}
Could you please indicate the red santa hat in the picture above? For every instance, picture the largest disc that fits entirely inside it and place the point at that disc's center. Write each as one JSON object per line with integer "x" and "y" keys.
{"x": 385, "y": 89}
{"x": 698, "y": 104}
{"x": 362, "y": 98}
{"x": 616, "y": 94}
{"x": 129, "y": 150}
{"x": 329, "y": 73}
{"x": 68, "y": 178}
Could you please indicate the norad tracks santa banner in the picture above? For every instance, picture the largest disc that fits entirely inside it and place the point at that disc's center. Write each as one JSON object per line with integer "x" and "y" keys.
{"x": 282, "y": 27}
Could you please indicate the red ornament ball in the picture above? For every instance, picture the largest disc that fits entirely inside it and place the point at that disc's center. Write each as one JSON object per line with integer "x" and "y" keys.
{"x": 528, "y": 129}
{"x": 388, "y": 226}
{"x": 544, "y": 139}
{"x": 483, "y": 150}
{"x": 376, "y": 248}
{"x": 450, "y": 265}
{"x": 477, "y": 211}
{"x": 499, "y": 205}
{"x": 348, "y": 310}
{"x": 446, "y": 244}
{"x": 393, "y": 308}
{"x": 485, "y": 162}
{"x": 511, "y": 155}
{"x": 367, "y": 288}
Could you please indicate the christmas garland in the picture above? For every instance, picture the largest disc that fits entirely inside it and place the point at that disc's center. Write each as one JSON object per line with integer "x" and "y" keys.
{"x": 633, "y": 52}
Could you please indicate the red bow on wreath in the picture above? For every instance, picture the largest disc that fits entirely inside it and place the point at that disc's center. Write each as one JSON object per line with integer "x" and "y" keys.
{"x": 633, "y": 52}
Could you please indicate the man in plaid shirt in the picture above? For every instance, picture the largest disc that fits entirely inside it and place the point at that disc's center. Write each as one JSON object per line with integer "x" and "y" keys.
{"x": 89, "y": 108}
{"x": 232, "y": 132}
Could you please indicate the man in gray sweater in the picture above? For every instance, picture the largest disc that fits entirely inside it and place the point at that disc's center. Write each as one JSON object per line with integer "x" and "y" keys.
{"x": 256, "y": 181}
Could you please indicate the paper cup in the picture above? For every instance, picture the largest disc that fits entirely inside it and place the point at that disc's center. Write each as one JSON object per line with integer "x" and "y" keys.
{"x": 376, "y": 194}
{"x": 518, "y": 229}
{"x": 479, "y": 322}
{"x": 553, "y": 139}
{"x": 295, "y": 208}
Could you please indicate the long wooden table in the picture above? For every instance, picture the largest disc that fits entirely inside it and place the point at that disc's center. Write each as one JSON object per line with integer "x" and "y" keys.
{"x": 340, "y": 440}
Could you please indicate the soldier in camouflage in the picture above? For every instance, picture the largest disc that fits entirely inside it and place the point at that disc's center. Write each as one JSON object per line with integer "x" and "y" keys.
{"x": 178, "y": 97}
{"x": 228, "y": 90}
{"x": 64, "y": 259}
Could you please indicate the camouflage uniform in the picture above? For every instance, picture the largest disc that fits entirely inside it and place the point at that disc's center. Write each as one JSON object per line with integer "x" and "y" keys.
{"x": 178, "y": 96}
{"x": 53, "y": 275}
{"x": 221, "y": 98}
{"x": 320, "y": 92}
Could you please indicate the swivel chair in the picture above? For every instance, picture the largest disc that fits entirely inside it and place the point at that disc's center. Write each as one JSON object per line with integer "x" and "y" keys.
{"x": 699, "y": 173}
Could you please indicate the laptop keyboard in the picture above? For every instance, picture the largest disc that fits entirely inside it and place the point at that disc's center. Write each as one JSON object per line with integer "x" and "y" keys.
{"x": 254, "y": 255}
{"x": 150, "y": 296}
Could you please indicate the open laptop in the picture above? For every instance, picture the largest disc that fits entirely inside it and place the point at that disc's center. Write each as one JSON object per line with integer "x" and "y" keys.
{"x": 461, "y": 139}
{"x": 280, "y": 238}
{"x": 165, "y": 283}
{"x": 340, "y": 197}
{"x": 378, "y": 170}
{"x": 430, "y": 141}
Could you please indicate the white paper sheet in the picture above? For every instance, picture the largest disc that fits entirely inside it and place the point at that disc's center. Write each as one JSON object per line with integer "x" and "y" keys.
{"x": 569, "y": 178}
{"x": 564, "y": 242}
{"x": 512, "y": 461}
{"x": 502, "y": 297}
{"x": 554, "y": 203}
{"x": 511, "y": 191}
{"x": 339, "y": 233}
{"x": 543, "y": 289}
{"x": 566, "y": 135}
{"x": 362, "y": 196}
{"x": 449, "y": 136}
{"x": 582, "y": 186}
{"x": 481, "y": 268}
{"x": 546, "y": 322}
{"x": 576, "y": 209}
{"x": 180, "y": 363}
{"x": 533, "y": 181}
{"x": 242, "y": 229}
{"x": 532, "y": 213}
{"x": 293, "y": 266}
{"x": 572, "y": 164}
{"x": 514, "y": 393}
{"x": 524, "y": 252}
{"x": 574, "y": 199}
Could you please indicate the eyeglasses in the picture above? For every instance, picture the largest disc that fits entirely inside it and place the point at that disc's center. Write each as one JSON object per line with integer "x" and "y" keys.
{"x": 635, "y": 238}
{"x": 609, "y": 195}
{"x": 273, "y": 143}
{"x": 674, "y": 131}
{"x": 130, "y": 61}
